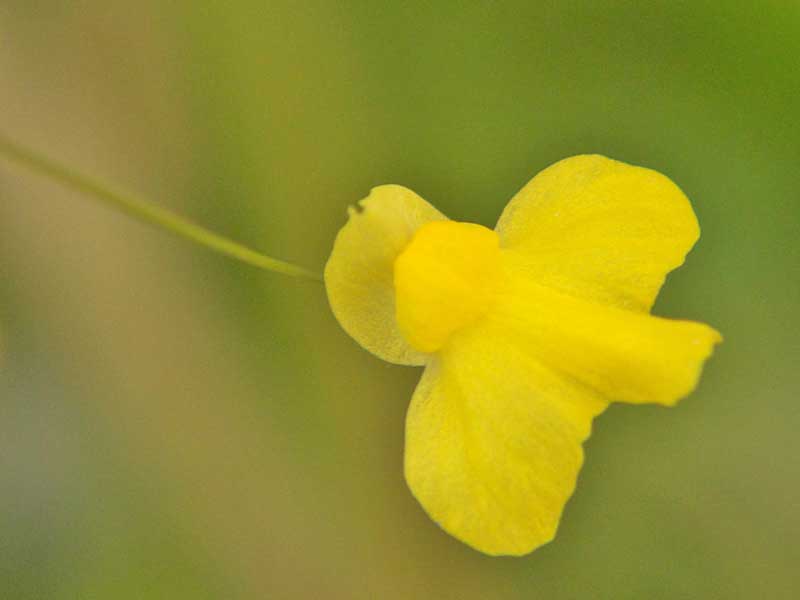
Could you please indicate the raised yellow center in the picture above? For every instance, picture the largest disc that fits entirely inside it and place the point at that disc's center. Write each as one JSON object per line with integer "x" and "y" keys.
{"x": 446, "y": 278}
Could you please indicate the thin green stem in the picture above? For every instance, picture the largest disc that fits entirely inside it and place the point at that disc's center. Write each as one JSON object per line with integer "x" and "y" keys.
{"x": 145, "y": 211}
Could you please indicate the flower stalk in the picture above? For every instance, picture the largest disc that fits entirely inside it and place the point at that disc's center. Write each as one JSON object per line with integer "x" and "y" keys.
{"x": 147, "y": 212}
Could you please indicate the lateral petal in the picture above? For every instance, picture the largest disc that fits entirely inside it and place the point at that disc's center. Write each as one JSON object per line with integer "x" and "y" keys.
{"x": 626, "y": 355}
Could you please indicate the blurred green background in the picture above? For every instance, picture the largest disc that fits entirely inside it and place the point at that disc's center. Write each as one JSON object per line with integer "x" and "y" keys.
{"x": 174, "y": 424}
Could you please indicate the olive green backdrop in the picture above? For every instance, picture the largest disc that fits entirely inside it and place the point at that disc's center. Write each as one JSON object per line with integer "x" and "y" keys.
{"x": 177, "y": 425}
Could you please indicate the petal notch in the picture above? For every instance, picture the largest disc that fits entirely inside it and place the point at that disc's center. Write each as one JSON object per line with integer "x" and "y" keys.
{"x": 359, "y": 275}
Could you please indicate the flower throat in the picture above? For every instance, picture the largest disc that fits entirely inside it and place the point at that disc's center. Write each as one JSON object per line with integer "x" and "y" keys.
{"x": 445, "y": 278}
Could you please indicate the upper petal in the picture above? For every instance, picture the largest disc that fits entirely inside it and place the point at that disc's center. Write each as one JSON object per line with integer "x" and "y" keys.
{"x": 493, "y": 441}
{"x": 359, "y": 273}
{"x": 600, "y": 229}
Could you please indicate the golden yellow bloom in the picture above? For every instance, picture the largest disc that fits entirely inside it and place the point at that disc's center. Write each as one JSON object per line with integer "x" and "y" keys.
{"x": 526, "y": 333}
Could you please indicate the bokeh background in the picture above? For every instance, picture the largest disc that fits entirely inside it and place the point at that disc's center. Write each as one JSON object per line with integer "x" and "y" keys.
{"x": 174, "y": 424}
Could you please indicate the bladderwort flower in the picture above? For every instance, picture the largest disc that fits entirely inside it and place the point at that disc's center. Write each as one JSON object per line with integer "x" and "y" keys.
{"x": 526, "y": 332}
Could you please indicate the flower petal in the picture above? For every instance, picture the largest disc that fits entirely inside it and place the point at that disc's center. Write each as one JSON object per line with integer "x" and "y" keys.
{"x": 359, "y": 273}
{"x": 600, "y": 229}
{"x": 493, "y": 442}
{"x": 627, "y": 356}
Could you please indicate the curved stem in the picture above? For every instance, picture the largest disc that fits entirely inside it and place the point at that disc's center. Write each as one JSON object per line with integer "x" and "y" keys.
{"x": 147, "y": 212}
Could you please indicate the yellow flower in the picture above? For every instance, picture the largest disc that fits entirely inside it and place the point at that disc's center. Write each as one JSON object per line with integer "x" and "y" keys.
{"x": 526, "y": 333}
